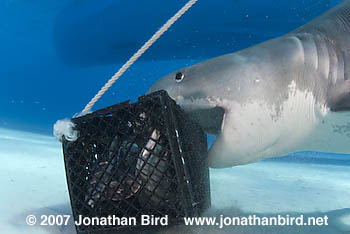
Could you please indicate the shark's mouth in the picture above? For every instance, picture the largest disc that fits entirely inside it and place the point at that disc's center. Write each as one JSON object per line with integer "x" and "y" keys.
{"x": 203, "y": 111}
{"x": 210, "y": 119}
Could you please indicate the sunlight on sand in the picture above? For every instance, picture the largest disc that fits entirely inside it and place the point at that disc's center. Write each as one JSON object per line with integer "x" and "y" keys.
{"x": 33, "y": 179}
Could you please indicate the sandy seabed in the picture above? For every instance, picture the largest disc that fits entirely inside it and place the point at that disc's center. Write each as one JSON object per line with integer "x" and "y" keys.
{"x": 33, "y": 182}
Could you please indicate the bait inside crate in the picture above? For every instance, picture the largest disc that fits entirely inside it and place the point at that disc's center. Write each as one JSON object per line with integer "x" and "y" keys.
{"x": 144, "y": 158}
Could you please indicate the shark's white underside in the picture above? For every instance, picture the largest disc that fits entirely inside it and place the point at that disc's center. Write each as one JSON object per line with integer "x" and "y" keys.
{"x": 256, "y": 130}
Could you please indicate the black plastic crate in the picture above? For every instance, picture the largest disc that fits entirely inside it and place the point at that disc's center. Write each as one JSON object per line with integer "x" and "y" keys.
{"x": 144, "y": 158}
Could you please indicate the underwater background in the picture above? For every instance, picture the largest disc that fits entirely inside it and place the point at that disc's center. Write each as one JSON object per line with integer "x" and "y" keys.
{"x": 54, "y": 57}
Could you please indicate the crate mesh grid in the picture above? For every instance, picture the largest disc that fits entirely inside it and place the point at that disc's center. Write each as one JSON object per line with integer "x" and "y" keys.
{"x": 126, "y": 162}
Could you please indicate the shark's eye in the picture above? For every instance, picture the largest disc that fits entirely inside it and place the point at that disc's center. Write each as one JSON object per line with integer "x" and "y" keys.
{"x": 179, "y": 77}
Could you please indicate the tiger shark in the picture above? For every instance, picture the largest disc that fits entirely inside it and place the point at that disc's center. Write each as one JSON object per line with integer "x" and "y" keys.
{"x": 287, "y": 94}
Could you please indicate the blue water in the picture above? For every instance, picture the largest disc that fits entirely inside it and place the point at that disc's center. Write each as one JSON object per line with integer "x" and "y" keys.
{"x": 55, "y": 55}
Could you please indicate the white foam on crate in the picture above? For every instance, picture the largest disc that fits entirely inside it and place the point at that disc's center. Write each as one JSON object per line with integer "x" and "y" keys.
{"x": 65, "y": 128}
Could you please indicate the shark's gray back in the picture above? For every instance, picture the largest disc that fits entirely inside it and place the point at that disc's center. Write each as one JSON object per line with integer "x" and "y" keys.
{"x": 331, "y": 34}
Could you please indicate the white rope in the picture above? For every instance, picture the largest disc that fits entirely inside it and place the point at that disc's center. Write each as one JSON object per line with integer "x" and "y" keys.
{"x": 153, "y": 39}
